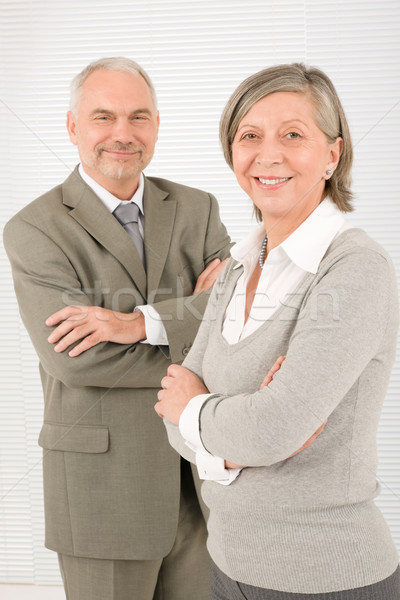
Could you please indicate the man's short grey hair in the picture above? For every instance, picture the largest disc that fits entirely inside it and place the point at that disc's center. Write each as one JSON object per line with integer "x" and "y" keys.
{"x": 328, "y": 113}
{"x": 118, "y": 63}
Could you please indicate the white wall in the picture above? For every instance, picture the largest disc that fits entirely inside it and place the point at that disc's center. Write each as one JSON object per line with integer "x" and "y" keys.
{"x": 196, "y": 52}
{"x": 31, "y": 592}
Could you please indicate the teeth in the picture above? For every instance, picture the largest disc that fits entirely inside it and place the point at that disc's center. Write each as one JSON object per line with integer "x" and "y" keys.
{"x": 273, "y": 181}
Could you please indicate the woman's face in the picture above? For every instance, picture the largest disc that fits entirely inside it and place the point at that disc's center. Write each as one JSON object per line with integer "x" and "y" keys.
{"x": 280, "y": 157}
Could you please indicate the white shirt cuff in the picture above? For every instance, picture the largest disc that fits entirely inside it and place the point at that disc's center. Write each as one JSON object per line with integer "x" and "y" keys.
{"x": 189, "y": 422}
{"x": 155, "y": 330}
{"x": 209, "y": 467}
{"x": 212, "y": 468}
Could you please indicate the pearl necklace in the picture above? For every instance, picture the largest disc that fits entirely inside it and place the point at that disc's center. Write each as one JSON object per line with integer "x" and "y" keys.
{"x": 262, "y": 252}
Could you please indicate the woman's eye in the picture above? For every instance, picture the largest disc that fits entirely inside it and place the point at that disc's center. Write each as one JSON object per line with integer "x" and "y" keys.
{"x": 249, "y": 136}
{"x": 293, "y": 135}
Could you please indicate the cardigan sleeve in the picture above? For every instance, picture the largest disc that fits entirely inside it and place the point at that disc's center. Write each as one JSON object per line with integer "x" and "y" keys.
{"x": 346, "y": 320}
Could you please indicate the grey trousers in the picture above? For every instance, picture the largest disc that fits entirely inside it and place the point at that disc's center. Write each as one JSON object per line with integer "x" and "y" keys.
{"x": 225, "y": 588}
{"x": 181, "y": 575}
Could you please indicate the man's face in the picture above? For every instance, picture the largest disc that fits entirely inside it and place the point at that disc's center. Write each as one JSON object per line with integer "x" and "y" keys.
{"x": 115, "y": 128}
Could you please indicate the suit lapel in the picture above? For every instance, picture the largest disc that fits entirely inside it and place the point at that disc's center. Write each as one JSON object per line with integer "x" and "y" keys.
{"x": 89, "y": 211}
{"x": 159, "y": 217}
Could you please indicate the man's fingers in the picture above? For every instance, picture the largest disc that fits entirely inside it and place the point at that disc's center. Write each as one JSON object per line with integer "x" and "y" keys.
{"x": 68, "y": 339}
{"x": 216, "y": 272}
{"x": 77, "y": 317}
{"x": 210, "y": 268}
{"x": 81, "y": 325}
{"x": 64, "y": 328}
{"x": 69, "y": 312}
{"x": 76, "y": 334}
{"x": 209, "y": 276}
{"x": 201, "y": 284}
{"x": 61, "y": 331}
{"x": 85, "y": 344}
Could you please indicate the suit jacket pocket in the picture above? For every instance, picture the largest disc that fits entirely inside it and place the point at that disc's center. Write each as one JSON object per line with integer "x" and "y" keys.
{"x": 74, "y": 438}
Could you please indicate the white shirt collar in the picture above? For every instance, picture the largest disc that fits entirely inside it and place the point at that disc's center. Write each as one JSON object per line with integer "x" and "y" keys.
{"x": 247, "y": 250}
{"x": 111, "y": 202}
{"x": 305, "y": 247}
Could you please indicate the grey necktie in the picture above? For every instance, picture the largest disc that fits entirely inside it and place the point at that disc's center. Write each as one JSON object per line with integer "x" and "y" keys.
{"x": 128, "y": 215}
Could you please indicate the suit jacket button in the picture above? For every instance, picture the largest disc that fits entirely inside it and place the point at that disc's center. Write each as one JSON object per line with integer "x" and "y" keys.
{"x": 186, "y": 350}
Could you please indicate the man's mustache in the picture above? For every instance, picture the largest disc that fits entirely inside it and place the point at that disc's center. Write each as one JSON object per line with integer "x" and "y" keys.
{"x": 119, "y": 148}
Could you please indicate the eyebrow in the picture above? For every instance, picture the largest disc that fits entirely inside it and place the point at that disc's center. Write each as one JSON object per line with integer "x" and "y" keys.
{"x": 294, "y": 120}
{"x": 287, "y": 121}
{"x": 105, "y": 111}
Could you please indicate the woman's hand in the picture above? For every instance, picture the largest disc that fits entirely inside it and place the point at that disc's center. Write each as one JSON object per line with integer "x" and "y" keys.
{"x": 93, "y": 325}
{"x": 270, "y": 375}
{"x": 311, "y": 439}
{"x": 268, "y": 380}
{"x": 179, "y": 386}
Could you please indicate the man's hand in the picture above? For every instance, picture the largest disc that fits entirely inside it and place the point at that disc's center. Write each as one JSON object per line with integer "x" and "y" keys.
{"x": 209, "y": 276}
{"x": 179, "y": 386}
{"x": 93, "y": 325}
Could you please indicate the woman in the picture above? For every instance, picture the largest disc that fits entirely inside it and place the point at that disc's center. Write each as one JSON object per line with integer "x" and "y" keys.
{"x": 306, "y": 285}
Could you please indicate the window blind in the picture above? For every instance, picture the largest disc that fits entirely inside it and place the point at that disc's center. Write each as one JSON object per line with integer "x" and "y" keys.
{"x": 196, "y": 52}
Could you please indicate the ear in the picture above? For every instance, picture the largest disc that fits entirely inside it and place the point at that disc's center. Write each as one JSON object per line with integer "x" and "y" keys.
{"x": 158, "y": 123}
{"x": 335, "y": 152}
{"x": 71, "y": 127}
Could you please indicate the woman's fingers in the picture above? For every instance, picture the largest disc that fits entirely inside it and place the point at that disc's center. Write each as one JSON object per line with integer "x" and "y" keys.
{"x": 270, "y": 375}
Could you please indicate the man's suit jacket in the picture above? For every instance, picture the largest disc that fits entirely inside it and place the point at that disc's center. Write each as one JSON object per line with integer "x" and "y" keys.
{"x": 111, "y": 480}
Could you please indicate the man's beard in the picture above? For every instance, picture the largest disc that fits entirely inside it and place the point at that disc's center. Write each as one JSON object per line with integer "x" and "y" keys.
{"x": 114, "y": 168}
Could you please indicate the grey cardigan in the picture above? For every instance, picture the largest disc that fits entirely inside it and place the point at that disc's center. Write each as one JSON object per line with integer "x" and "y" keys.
{"x": 306, "y": 524}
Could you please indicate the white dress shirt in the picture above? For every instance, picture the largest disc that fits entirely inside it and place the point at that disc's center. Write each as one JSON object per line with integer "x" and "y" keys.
{"x": 155, "y": 330}
{"x": 283, "y": 270}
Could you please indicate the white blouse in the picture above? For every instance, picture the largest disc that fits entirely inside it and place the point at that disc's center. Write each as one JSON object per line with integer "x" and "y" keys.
{"x": 283, "y": 270}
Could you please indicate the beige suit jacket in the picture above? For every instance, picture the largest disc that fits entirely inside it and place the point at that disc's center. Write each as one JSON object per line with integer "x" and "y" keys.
{"x": 111, "y": 480}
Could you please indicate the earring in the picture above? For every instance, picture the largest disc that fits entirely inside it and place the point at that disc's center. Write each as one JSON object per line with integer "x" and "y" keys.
{"x": 329, "y": 172}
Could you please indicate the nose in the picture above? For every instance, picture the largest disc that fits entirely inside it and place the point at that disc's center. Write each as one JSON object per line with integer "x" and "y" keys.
{"x": 269, "y": 152}
{"x": 122, "y": 131}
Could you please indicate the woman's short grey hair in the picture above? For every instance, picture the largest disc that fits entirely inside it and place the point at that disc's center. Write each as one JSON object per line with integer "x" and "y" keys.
{"x": 118, "y": 63}
{"x": 329, "y": 116}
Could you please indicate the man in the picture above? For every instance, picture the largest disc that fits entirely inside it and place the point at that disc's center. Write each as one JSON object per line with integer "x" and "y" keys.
{"x": 120, "y": 510}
